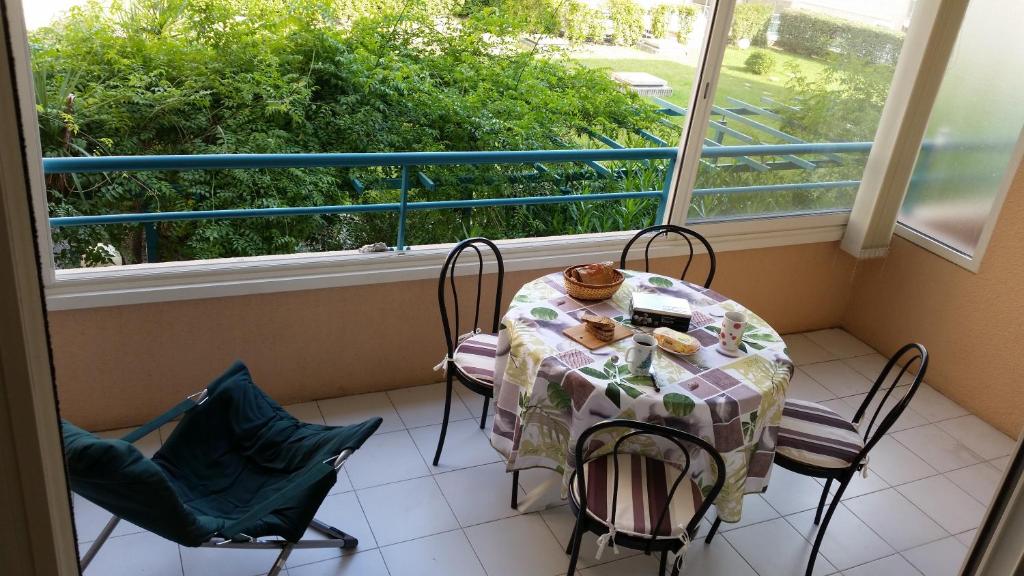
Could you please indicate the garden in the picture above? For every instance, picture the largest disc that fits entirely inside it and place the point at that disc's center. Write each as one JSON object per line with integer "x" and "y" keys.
{"x": 232, "y": 76}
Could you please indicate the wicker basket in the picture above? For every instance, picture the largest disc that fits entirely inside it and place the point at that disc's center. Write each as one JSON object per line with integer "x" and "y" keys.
{"x": 582, "y": 291}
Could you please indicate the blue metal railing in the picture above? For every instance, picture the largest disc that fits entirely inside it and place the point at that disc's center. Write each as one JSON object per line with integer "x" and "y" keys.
{"x": 407, "y": 160}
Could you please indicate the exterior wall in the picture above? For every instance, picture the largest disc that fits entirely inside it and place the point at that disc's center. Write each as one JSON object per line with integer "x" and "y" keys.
{"x": 969, "y": 322}
{"x": 119, "y": 366}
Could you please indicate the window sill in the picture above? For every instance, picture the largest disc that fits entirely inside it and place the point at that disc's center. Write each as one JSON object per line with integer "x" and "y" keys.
{"x": 938, "y": 248}
{"x": 145, "y": 283}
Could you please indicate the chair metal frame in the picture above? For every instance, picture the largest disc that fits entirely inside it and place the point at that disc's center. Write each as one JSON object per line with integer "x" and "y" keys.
{"x": 908, "y": 355}
{"x": 665, "y": 230}
{"x": 663, "y": 544}
{"x": 335, "y": 537}
{"x": 452, "y": 337}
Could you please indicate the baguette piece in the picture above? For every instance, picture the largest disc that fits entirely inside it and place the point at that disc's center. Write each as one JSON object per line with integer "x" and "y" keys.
{"x": 602, "y": 327}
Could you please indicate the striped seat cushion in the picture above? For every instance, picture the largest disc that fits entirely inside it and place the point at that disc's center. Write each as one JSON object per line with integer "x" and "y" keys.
{"x": 643, "y": 489}
{"x": 812, "y": 434}
{"x": 474, "y": 357}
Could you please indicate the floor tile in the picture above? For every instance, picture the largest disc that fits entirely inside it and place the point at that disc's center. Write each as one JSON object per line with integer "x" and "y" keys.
{"x": 848, "y": 541}
{"x": 859, "y": 485}
{"x": 941, "y": 558}
{"x": 954, "y": 509}
{"x": 446, "y": 554}
{"x": 894, "y": 565}
{"x": 755, "y": 509}
{"x": 901, "y": 524}
{"x": 896, "y": 463}
{"x": 364, "y": 563}
{"x": 868, "y": 366}
{"x": 540, "y": 488}
{"x": 424, "y": 405}
{"x": 473, "y": 401}
{"x": 967, "y": 538}
{"x": 940, "y": 450}
{"x": 479, "y": 494}
{"x": 801, "y": 350}
{"x": 561, "y": 521}
{"x": 934, "y": 406}
{"x": 839, "y": 342}
{"x": 343, "y": 484}
{"x": 226, "y": 561}
{"x": 789, "y": 492}
{"x": 1001, "y": 463}
{"x": 384, "y": 458}
{"x": 518, "y": 546}
{"x": 344, "y": 512}
{"x": 803, "y": 387}
{"x": 90, "y": 520}
{"x": 406, "y": 510}
{"x": 354, "y": 409}
{"x": 775, "y": 548}
{"x": 980, "y": 437}
{"x": 306, "y": 412}
{"x": 144, "y": 553}
{"x": 909, "y": 418}
{"x": 639, "y": 564}
{"x": 980, "y": 481}
{"x": 716, "y": 559}
{"x": 839, "y": 378}
{"x": 465, "y": 445}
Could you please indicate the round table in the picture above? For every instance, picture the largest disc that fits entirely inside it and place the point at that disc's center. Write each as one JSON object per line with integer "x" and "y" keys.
{"x": 548, "y": 389}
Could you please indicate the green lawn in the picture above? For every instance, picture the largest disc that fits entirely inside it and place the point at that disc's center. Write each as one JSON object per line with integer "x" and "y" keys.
{"x": 735, "y": 81}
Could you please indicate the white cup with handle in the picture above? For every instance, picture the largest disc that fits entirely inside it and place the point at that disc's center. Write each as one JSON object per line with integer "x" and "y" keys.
{"x": 731, "y": 335}
{"x": 641, "y": 354}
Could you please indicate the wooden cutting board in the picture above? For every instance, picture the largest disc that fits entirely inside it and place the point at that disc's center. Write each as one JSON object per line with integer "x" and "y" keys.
{"x": 580, "y": 335}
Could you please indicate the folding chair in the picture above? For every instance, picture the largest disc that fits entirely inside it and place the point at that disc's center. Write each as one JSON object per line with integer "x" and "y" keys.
{"x": 238, "y": 471}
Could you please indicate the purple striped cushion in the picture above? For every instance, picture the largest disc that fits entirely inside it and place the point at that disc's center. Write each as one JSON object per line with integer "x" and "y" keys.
{"x": 643, "y": 488}
{"x": 813, "y": 434}
{"x": 474, "y": 357}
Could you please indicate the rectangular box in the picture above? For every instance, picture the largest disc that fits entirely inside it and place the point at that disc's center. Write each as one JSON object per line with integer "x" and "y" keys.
{"x": 657, "y": 310}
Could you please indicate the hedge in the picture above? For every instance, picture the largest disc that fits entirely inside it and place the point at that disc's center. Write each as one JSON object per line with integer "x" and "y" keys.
{"x": 627, "y": 22}
{"x": 750, "y": 20}
{"x": 687, "y": 17}
{"x": 818, "y": 35}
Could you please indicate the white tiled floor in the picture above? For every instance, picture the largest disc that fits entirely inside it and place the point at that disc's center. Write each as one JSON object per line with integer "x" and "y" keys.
{"x": 929, "y": 483}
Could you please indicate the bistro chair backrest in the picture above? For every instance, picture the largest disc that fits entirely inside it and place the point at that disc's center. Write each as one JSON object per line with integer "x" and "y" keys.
{"x": 666, "y": 230}
{"x": 446, "y": 283}
{"x": 905, "y": 358}
{"x": 685, "y": 442}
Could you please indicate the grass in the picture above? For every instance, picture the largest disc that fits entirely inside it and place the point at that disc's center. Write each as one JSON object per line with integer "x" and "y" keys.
{"x": 735, "y": 80}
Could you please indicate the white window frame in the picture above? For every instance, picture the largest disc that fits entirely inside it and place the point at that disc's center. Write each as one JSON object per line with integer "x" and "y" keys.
{"x": 162, "y": 282}
{"x": 972, "y": 261}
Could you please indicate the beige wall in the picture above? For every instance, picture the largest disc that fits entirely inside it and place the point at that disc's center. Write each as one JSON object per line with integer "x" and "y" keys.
{"x": 971, "y": 323}
{"x": 118, "y": 366}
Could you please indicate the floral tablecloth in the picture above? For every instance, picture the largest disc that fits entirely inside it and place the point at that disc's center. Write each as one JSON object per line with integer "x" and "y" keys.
{"x": 549, "y": 389}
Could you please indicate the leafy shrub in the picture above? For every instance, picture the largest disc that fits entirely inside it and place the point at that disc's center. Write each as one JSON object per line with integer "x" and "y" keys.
{"x": 687, "y": 14}
{"x": 750, "y": 20}
{"x": 819, "y": 35}
{"x": 627, "y": 21}
{"x": 760, "y": 62}
{"x": 580, "y": 23}
{"x": 659, "y": 19}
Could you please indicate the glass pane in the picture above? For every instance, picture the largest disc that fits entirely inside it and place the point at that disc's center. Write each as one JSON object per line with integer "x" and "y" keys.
{"x": 805, "y": 76}
{"x": 972, "y": 131}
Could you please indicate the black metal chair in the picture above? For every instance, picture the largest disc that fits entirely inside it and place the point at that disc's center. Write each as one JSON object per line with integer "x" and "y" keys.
{"x": 666, "y": 230}
{"x": 470, "y": 356}
{"x": 815, "y": 441}
{"x": 668, "y": 520}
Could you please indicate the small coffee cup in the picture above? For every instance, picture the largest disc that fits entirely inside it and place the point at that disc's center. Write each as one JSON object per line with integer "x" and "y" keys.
{"x": 640, "y": 354}
{"x": 731, "y": 336}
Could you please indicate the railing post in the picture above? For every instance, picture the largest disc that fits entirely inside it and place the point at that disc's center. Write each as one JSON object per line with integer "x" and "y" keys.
{"x": 404, "y": 202}
{"x": 152, "y": 242}
{"x": 659, "y": 218}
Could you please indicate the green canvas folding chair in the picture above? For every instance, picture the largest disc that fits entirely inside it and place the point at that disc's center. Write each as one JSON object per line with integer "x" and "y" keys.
{"x": 237, "y": 472}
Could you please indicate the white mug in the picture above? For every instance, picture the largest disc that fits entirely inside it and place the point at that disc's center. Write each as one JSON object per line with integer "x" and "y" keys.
{"x": 640, "y": 355}
{"x": 733, "y": 326}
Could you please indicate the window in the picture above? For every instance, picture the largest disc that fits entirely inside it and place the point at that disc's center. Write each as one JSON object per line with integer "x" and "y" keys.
{"x": 970, "y": 149}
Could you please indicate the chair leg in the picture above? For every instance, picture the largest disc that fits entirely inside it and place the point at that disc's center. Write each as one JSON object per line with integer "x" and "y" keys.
{"x": 663, "y": 563}
{"x": 714, "y": 529}
{"x": 279, "y": 562}
{"x": 821, "y": 503}
{"x": 577, "y": 538}
{"x": 483, "y": 414}
{"x": 444, "y": 422}
{"x": 348, "y": 541}
{"x": 515, "y": 489}
{"x": 98, "y": 543}
{"x": 824, "y": 525}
